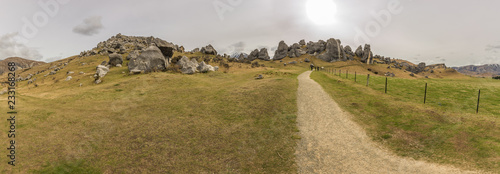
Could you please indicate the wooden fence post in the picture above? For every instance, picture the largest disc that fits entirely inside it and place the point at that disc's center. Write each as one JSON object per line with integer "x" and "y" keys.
{"x": 478, "y": 97}
{"x": 346, "y": 74}
{"x": 425, "y": 94}
{"x": 355, "y": 76}
{"x": 368, "y": 80}
{"x": 386, "y": 85}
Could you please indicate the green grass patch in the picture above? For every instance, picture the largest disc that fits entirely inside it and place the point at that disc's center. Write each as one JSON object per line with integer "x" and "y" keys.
{"x": 445, "y": 130}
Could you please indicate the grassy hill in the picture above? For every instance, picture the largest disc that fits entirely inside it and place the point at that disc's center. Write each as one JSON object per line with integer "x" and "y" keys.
{"x": 444, "y": 130}
{"x": 228, "y": 122}
{"x": 156, "y": 123}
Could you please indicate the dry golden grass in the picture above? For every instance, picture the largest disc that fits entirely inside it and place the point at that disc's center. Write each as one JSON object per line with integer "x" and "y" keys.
{"x": 158, "y": 122}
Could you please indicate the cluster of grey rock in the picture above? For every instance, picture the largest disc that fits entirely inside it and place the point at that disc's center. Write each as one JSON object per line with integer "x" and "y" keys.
{"x": 330, "y": 51}
{"x": 256, "y": 54}
{"x": 122, "y": 44}
{"x": 151, "y": 59}
{"x": 192, "y": 66}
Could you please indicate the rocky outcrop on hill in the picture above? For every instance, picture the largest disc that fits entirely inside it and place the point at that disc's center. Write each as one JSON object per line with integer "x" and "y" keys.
{"x": 359, "y": 51}
{"x": 281, "y": 52}
{"x": 115, "y": 59}
{"x": 263, "y": 54}
{"x": 149, "y": 60}
{"x": 122, "y": 44}
{"x": 256, "y": 54}
{"x": 367, "y": 55}
{"x": 209, "y": 49}
{"x": 316, "y": 47}
{"x": 296, "y": 50}
{"x": 334, "y": 51}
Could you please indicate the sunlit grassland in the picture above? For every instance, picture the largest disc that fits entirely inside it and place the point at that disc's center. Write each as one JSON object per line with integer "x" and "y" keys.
{"x": 445, "y": 130}
{"x": 157, "y": 123}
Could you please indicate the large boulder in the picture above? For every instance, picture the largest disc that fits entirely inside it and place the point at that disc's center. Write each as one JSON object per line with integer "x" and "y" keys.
{"x": 316, "y": 47}
{"x": 295, "y": 50}
{"x": 187, "y": 66}
{"x": 115, "y": 59}
{"x": 359, "y": 52}
{"x": 150, "y": 60}
{"x": 101, "y": 71}
{"x": 263, "y": 54}
{"x": 281, "y": 52}
{"x": 367, "y": 55}
{"x": 209, "y": 49}
{"x": 132, "y": 55}
{"x": 167, "y": 52}
{"x": 253, "y": 55}
{"x": 334, "y": 51}
{"x": 302, "y": 42}
{"x": 204, "y": 68}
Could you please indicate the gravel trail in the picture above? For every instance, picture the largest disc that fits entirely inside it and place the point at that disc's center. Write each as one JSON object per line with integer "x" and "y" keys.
{"x": 332, "y": 143}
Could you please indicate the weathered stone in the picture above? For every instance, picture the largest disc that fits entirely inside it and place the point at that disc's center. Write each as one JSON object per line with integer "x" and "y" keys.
{"x": 307, "y": 60}
{"x": 334, "y": 51}
{"x": 209, "y": 49}
{"x": 367, "y": 55}
{"x": 149, "y": 60}
{"x": 101, "y": 71}
{"x": 316, "y": 47}
{"x": 187, "y": 66}
{"x": 134, "y": 54}
{"x": 302, "y": 42}
{"x": 68, "y": 78}
{"x": 259, "y": 77}
{"x": 263, "y": 54}
{"x": 359, "y": 52}
{"x": 115, "y": 59}
{"x": 281, "y": 52}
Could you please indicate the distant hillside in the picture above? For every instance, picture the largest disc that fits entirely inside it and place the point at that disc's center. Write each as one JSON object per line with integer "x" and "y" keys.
{"x": 20, "y": 63}
{"x": 482, "y": 70}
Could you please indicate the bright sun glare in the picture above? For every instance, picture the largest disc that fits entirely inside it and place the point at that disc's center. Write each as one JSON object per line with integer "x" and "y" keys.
{"x": 321, "y": 12}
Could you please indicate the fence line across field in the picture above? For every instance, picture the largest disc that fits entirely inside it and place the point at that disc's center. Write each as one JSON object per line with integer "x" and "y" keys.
{"x": 334, "y": 72}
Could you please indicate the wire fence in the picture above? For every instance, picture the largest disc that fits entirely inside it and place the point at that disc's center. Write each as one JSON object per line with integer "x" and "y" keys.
{"x": 457, "y": 95}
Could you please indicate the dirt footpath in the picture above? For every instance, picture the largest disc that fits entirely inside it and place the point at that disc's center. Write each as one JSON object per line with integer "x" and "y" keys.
{"x": 332, "y": 143}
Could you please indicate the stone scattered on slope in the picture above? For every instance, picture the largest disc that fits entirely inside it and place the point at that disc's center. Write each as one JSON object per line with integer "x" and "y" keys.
{"x": 187, "y": 66}
{"x": 296, "y": 50}
{"x": 367, "y": 55}
{"x": 101, "y": 71}
{"x": 115, "y": 59}
{"x": 209, "y": 49}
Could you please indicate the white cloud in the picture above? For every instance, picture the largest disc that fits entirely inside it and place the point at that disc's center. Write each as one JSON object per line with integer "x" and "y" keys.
{"x": 11, "y": 47}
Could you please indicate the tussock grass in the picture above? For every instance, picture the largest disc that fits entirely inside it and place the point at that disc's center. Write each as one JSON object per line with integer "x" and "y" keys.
{"x": 158, "y": 122}
{"x": 445, "y": 130}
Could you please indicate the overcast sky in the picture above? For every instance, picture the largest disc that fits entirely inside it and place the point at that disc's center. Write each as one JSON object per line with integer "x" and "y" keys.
{"x": 443, "y": 31}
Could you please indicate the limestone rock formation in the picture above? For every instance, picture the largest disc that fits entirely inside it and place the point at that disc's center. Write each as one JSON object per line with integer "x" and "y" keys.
{"x": 367, "y": 55}
{"x": 316, "y": 47}
{"x": 263, "y": 54}
{"x": 149, "y": 60}
{"x": 359, "y": 52}
{"x": 134, "y": 54}
{"x": 115, "y": 59}
{"x": 281, "y": 52}
{"x": 253, "y": 55}
{"x": 101, "y": 71}
{"x": 334, "y": 51}
{"x": 187, "y": 66}
{"x": 209, "y": 49}
{"x": 295, "y": 50}
{"x": 204, "y": 68}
